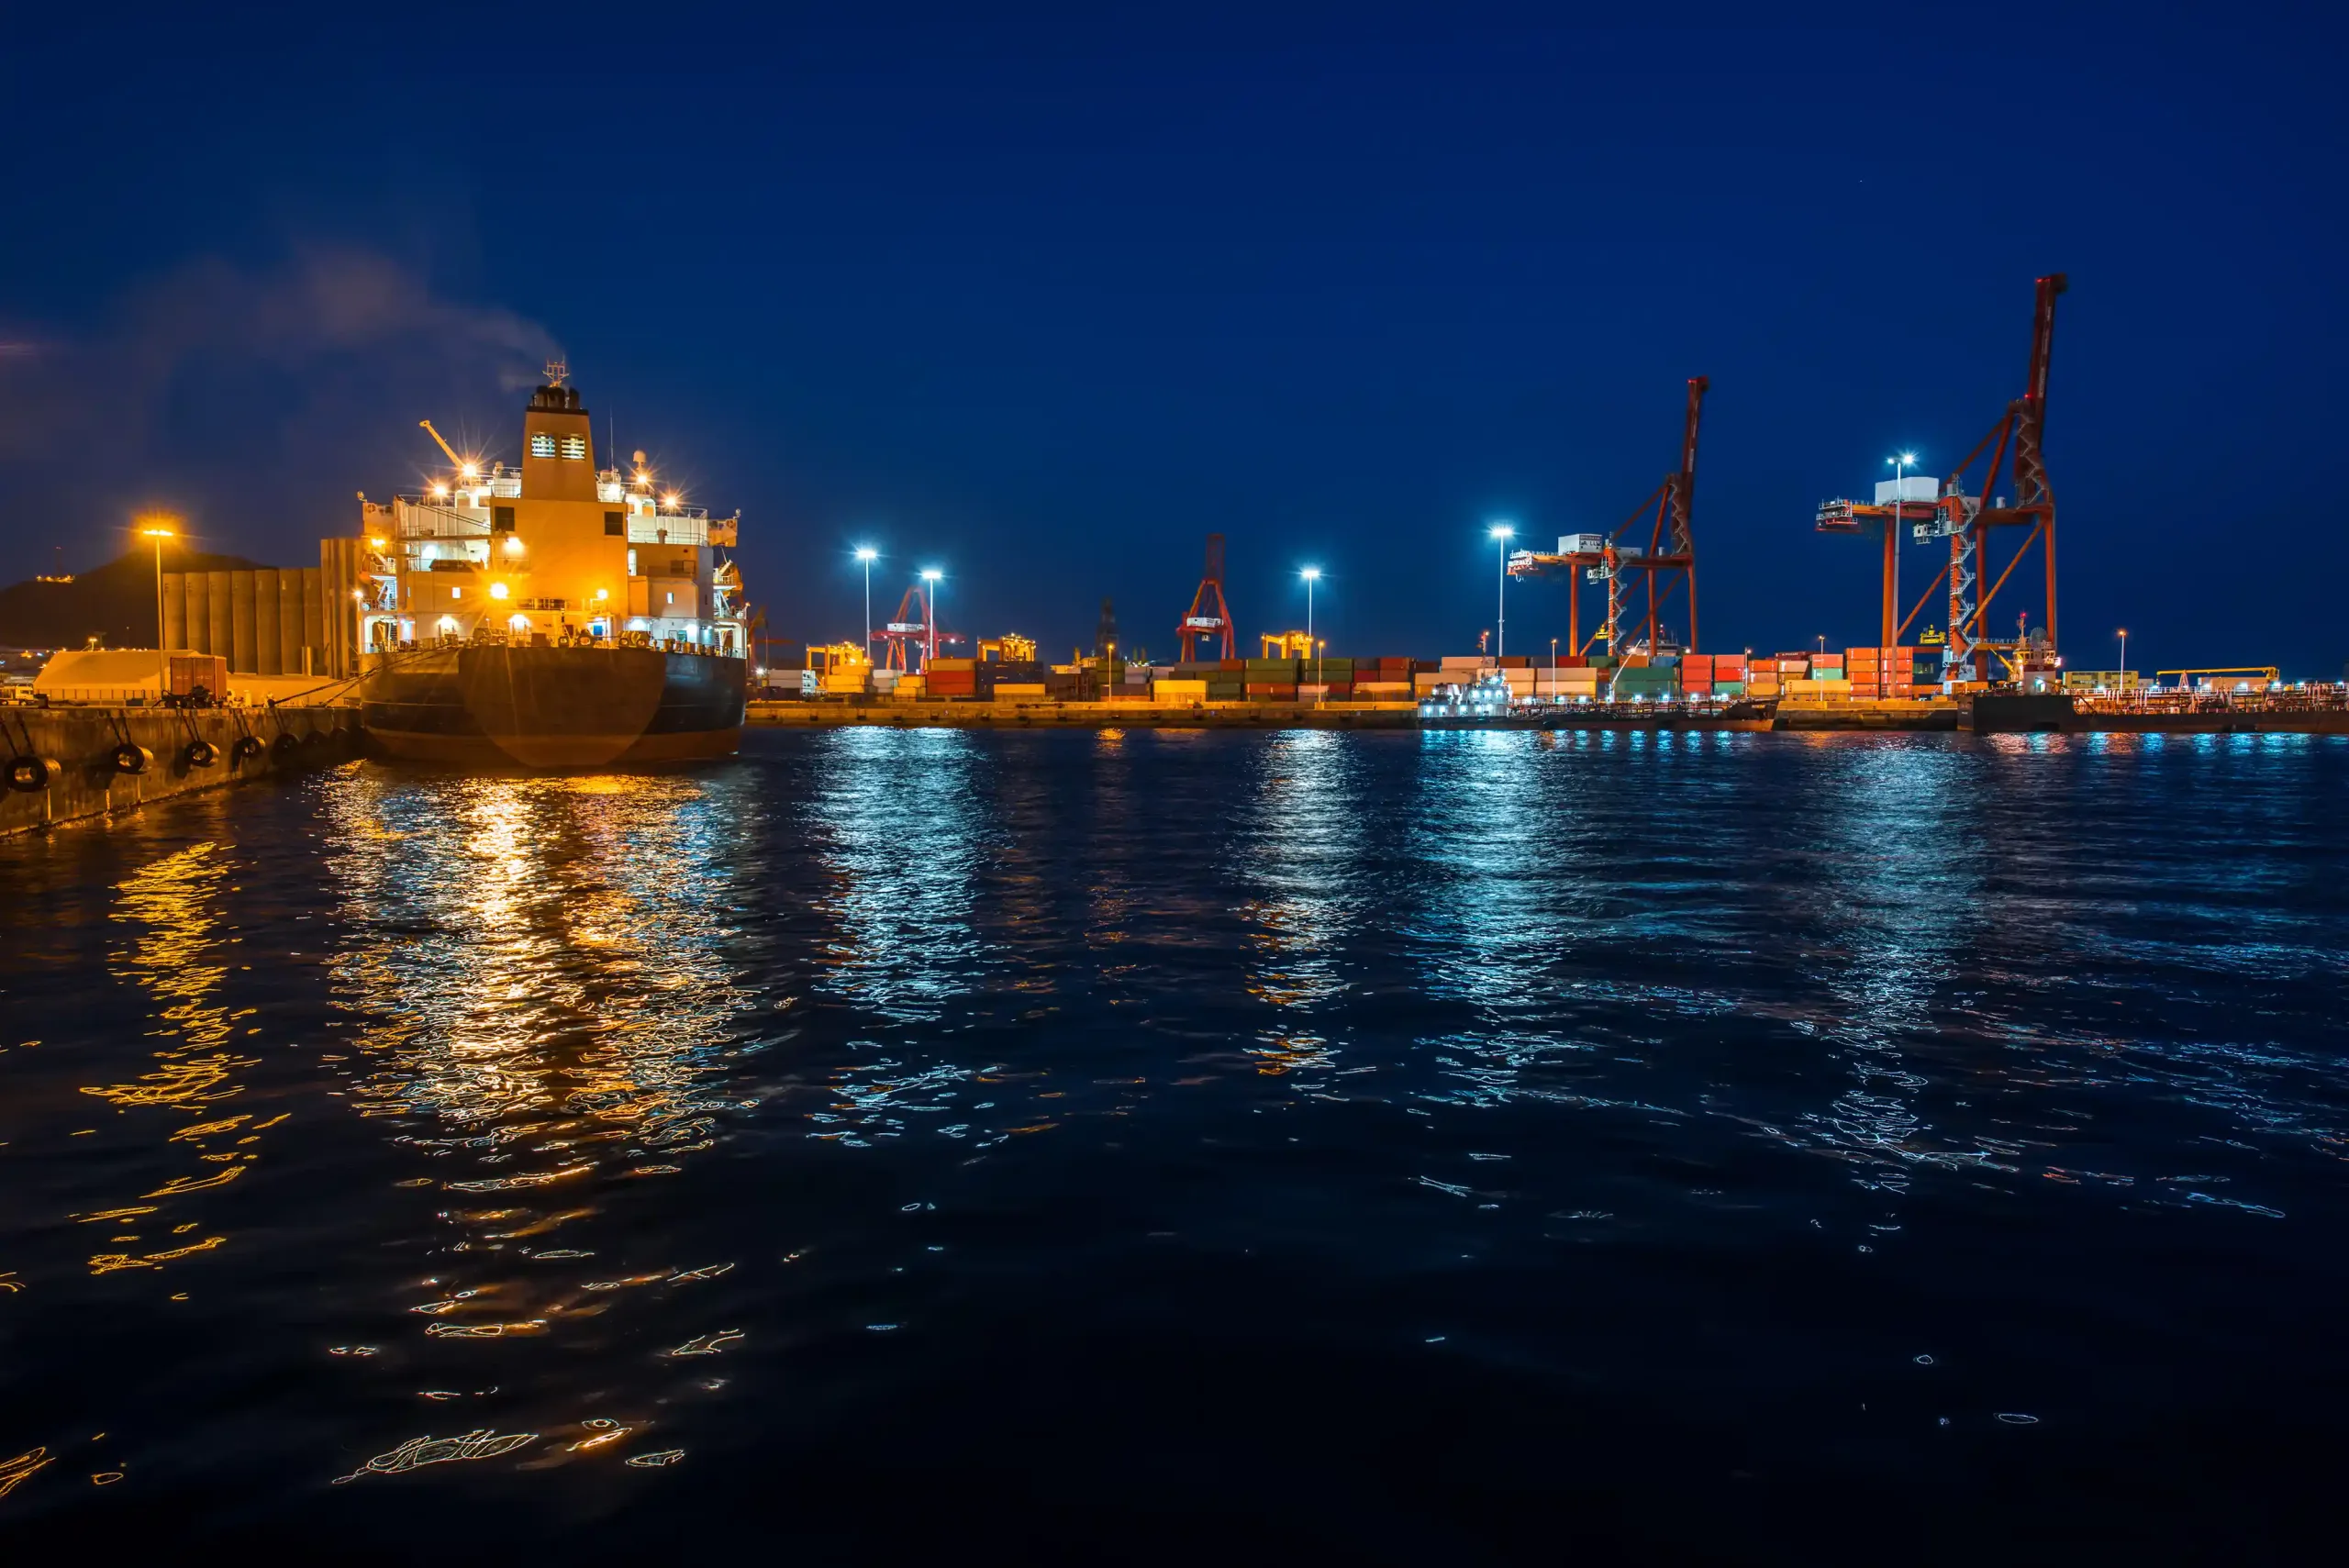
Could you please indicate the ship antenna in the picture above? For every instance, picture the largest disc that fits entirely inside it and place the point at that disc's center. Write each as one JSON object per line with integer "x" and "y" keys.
{"x": 556, "y": 371}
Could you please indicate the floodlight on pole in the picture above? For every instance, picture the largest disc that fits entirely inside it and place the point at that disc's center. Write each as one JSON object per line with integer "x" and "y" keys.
{"x": 930, "y": 576}
{"x": 154, "y": 527}
{"x": 1502, "y": 533}
{"x": 865, "y": 553}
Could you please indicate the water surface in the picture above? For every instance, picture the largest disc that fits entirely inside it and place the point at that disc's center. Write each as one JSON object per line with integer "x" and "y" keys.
{"x": 1461, "y": 1146}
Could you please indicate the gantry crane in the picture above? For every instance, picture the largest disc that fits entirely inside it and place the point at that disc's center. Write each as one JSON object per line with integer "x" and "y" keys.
{"x": 908, "y": 631}
{"x": 1208, "y": 619}
{"x": 1670, "y": 551}
{"x": 1966, "y": 521}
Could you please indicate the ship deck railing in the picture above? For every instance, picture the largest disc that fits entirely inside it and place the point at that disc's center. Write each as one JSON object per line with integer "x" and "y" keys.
{"x": 420, "y": 520}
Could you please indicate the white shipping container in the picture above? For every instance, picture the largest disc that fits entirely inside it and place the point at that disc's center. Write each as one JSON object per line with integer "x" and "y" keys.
{"x": 1581, "y": 544}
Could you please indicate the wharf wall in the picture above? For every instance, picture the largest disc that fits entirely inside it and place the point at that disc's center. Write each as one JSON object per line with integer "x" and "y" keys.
{"x": 1997, "y": 714}
{"x": 949, "y": 714}
{"x": 81, "y": 776}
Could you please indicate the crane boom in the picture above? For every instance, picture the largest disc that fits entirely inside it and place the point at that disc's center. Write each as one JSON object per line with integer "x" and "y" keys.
{"x": 454, "y": 459}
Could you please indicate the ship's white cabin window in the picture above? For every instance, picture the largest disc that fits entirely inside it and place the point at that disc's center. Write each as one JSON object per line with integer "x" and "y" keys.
{"x": 631, "y": 562}
{"x": 576, "y": 448}
{"x": 455, "y": 592}
{"x": 672, "y": 599}
{"x": 542, "y": 445}
{"x": 431, "y": 552}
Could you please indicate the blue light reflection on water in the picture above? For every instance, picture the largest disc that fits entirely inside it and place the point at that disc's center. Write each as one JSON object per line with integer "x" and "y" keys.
{"x": 604, "y": 1110}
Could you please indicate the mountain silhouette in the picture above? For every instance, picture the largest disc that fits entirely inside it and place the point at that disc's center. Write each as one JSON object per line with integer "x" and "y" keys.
{"x": 115, "y": 603}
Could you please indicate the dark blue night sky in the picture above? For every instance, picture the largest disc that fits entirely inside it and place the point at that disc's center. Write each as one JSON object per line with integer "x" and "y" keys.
{"x": 1041, "y": 297}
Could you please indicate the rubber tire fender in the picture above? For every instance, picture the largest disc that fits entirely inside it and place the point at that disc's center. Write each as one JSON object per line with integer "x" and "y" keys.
{"x": 31, "y": 775}
{"x": 286, "y": 743}
{"x": 247, "y": 749}
{"x": 131, "y": 759}
{"x": 200, "y": 754}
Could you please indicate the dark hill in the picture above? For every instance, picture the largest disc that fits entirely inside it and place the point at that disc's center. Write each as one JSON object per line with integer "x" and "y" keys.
{"x": 116, "y": 603}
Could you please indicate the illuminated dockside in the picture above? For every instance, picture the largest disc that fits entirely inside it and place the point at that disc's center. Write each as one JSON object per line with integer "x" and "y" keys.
{"x": 549, "y": 613}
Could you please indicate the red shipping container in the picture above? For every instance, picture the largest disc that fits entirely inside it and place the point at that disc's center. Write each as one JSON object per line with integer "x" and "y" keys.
{"x": 1271, "y": 691}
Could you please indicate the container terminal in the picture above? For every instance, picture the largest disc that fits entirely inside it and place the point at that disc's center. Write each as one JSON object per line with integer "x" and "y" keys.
{"x": 527, "y": 612}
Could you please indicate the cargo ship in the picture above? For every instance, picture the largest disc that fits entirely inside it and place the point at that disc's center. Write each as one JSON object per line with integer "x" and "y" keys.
{"x": 550, "y": 614}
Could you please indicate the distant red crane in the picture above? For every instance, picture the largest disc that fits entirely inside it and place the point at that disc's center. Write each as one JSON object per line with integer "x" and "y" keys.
{"x": 1670, "y": 553}
{"x": 1208, "y": 619}
{"x": 1965, "y": 520}
{"x": 908, "y": 631}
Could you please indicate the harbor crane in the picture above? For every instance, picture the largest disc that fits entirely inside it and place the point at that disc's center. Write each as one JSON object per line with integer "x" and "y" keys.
{"x": 1209, "y": 620}
{"x": 908, "y": 630}
{"x": 1669, "y": 552}
{"x": 1966, "y": 520}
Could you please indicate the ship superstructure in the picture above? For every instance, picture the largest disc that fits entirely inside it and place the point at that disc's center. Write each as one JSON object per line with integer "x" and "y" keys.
{"x": 551, "y": 613}
{"x": 552, "y": 551}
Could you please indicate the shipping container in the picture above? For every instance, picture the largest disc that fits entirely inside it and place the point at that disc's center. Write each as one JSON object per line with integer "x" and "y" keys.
{"x": 204, "y": 673}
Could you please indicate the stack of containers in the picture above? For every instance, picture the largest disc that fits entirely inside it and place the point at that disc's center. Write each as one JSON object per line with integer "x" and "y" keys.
{"x": 1382, "y": 679}
{"x": 1229, "y": 680}
{"x": 1569, "y": 680}
{"x": 1696, "y": 674}
{"x": 1764, "y": 677}
{"x": 1178, "y": 692}
{"x": 1272, "y": 680}
{"x": 1519, "y": 672}
{"x": 1644, "y": 682}
{"x": 1899, "y": 672}
{"x": 908, "y": 688}
{"x": 1452, "y": 670}
{"x": 1125, "y": 683}
{"x": 1864, "y": 667}
{"x": 1728, "y": 674}
{"x": 843, "y": 680}
{"x": 953, "y": 677}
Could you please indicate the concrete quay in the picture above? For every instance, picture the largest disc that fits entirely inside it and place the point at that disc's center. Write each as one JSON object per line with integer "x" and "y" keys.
{"x": 67, "y": 764}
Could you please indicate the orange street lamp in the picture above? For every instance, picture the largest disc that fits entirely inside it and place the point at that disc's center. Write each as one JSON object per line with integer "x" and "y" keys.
{"x": 157, "y": 529}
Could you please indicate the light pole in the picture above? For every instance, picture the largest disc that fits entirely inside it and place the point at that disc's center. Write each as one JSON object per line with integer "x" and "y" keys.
{"x": 2124, "y": 660}
{"x": 864, "y": 552}
{"x": 159, "y": 533}
{"x": 1892, "y": 551}
{"x": 1502, "y": 534}
{"x": 1554, "y": 669}
{"x": 930, "y": 577}
{"x": 1311, "y": 574}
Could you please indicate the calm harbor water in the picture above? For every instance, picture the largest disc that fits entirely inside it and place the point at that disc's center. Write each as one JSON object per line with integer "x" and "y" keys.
{"x": 1449, "y": 1147}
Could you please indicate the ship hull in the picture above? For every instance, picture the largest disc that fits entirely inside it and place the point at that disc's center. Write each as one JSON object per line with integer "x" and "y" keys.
{"x": 552, "y": 708}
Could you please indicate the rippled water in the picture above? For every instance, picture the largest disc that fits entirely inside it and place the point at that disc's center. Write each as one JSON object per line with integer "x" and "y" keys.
{"x": 1402, "y": 1147}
